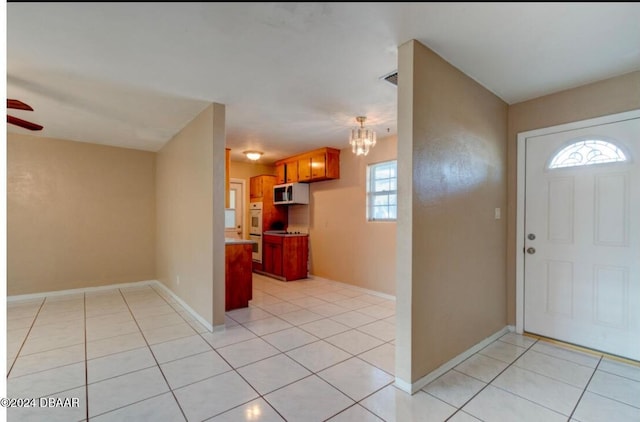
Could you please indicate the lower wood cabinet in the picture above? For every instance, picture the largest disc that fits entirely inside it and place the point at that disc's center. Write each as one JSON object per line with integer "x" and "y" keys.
{"x": 238, "y": 275}
{"x": 285, "y": 256}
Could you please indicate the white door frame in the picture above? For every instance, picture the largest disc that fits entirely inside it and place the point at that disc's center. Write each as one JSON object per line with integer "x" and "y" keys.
{"x": 243, "y": 183}
{"x": 522, "y": 138}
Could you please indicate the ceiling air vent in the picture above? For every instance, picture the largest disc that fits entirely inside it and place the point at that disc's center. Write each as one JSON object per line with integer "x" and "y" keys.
{"x": 392, "y": 78}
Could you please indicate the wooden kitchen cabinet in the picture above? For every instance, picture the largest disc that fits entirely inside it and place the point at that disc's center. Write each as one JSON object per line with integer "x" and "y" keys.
{"x": 291, "y": 171}
{"x": 238, "y": 275}
{"x": 285, "y": 257}
{"x": 313, "y": 166}
{"x": 261, "y": 188}
{"x": 304, "y": 170}
{"x": 274, "y": 217}
{"x": 281, "y": 176}
{"x": 256, "y": 188}
{"x": 272, "y": 255}
{"x": 325, "y": 166}
{"x": 287, "y": 172}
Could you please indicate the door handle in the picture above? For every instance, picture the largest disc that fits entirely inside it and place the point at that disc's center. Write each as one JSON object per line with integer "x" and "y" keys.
{"x": 531, "y": 251}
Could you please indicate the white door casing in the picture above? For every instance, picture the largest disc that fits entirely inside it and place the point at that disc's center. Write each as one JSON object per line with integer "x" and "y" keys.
{"x": 582, "y": 283}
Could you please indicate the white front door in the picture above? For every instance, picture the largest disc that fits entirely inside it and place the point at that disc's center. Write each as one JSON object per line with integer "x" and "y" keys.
{"x": 582, "y": 237}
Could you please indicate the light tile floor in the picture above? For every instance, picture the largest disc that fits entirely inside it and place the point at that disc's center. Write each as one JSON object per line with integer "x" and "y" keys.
{"x": 309, "y": 350}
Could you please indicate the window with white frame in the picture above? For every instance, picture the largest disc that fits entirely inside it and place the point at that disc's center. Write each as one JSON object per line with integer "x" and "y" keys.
{"x": 382, "y": 191}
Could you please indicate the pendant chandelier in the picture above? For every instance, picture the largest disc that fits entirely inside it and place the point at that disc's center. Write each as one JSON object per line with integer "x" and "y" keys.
{"x": 362, "y": 139}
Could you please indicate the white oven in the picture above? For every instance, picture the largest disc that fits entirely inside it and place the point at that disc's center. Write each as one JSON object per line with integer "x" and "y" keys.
{"x": 255, "y": 229}
{"x": 256, "y": 254}
{"x": 255, "y": 218}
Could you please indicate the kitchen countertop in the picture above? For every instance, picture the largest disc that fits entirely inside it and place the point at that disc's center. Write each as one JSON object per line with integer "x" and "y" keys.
{"x": 231, "y": 241}
{"x": 284, "y": 233}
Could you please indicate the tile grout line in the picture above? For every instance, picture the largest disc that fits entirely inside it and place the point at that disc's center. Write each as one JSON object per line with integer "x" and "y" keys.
{"x": 153, "y": 355}
{"x": 323, "y": 318}
{"x": 597, "y": 368}
{"x": 86, "y": 363}
{"x": 57, "y": 348}
{"x": 614, "y": 399}
{"x": 534, "y": 402}
{"x": 316, "y": 373}
{"x": 490, "y": 382}
{"x": 311, "y": 372}
{"x": 585, "y": 388}
{"x": 24, "y": 341}
{"x": 316, "y": 341}
{"x": 126, "y": 405}
{"x": 546, "y": 376}
{"x": 279, "y": 352}
{"x": 260, "y": 396}
{"x": 296, "y": 348}
{"x": 284, "y": 353}
{"x": 223, "y": 358}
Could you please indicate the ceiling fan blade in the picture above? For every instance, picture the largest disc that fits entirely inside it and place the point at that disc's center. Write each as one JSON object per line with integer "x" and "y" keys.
{"x": 23, "y": 123}
{"x": 17, "y": 104}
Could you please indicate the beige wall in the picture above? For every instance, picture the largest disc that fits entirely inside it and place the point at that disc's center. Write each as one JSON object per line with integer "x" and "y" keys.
{"x": 343, "y": 245}
{"x": 245, "y": 171}
{"x": 452, "y": 164}
{"x": 190, "y": 207}
{"x": 240, "y": 170}
{"x": 602, "y": 98}
{"x": 78, "y": 215}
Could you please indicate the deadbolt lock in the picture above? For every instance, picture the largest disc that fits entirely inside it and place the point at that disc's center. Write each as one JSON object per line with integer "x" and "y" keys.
{"x": 531, "y": 251}
{"x": 531, "y": 236}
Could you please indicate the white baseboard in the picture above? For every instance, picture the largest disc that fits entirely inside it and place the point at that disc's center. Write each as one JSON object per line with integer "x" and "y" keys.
{"x": 403, "y": 385}
{"x": 189, "y": 309}
{"x": 42, "y": 295}
{"x": 351, "y": 286}
{"x": 412, "y": 388}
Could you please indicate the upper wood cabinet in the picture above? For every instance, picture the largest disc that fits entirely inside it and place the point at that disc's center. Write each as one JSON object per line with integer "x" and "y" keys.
{"x": 281, "y": 177}
{"x": 255, "y": 187}
{"x": 312, "y": 166}
{"x": 286, "y": 172}
{"x": 261, "y": 188}
{"x": 274, "y": 217}
{"x": 291, "y": 171}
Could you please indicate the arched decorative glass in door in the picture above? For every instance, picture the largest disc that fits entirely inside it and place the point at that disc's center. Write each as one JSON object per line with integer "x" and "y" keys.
{"x": 587, "y": 152}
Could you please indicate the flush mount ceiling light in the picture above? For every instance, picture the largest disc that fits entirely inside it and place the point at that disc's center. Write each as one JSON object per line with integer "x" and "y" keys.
{"x": 253, "y": 155}
{"x": 362, "y": 139}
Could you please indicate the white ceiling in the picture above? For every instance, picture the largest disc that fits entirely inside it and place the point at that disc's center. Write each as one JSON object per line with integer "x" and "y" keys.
{"x": 293, "y": 76}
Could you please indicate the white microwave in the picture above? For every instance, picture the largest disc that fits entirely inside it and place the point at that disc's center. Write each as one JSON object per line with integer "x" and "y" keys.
{"x": 291, "y": 193}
